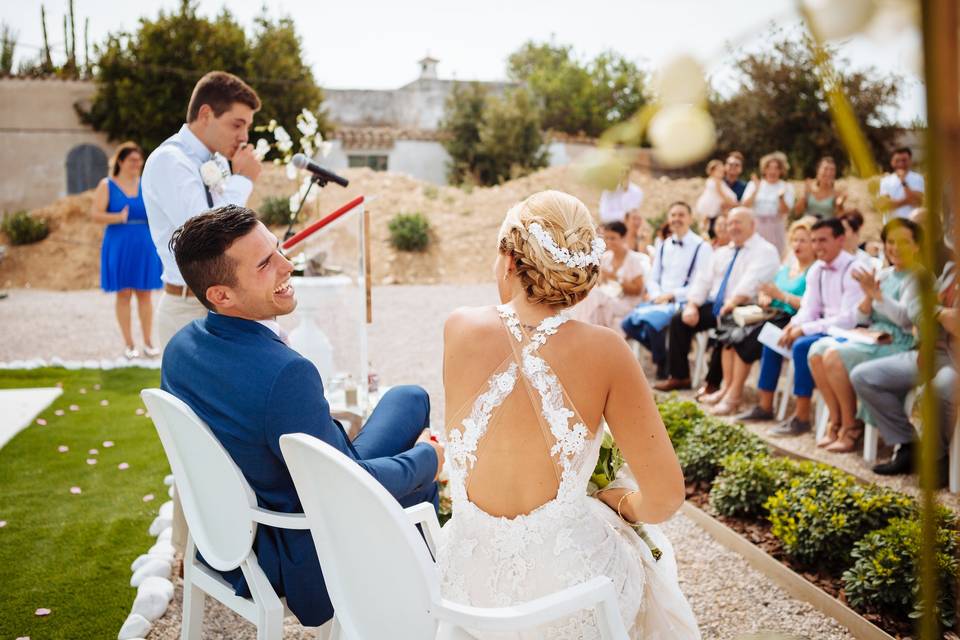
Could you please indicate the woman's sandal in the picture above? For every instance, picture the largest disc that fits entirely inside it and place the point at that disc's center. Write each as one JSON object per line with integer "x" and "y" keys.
{"x": 725, "y": 408}
{"x": 849, "y": 438}
{"x": 713, "y": 398}
{"x": 833, "y": 432}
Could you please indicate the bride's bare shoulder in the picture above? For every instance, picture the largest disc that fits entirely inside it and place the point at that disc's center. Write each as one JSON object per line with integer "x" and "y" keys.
{"x": 470, "y": 320}
{"x": 600, "y": 340}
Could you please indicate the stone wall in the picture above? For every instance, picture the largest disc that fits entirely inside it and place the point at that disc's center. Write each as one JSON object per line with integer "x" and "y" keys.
{"x": 38, "y": 129}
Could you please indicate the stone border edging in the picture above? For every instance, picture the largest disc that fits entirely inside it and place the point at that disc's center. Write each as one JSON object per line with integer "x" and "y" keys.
{"x": 789, "y": 580}
{"x": 72, "y": 365}
{"x": 151, "y": 575}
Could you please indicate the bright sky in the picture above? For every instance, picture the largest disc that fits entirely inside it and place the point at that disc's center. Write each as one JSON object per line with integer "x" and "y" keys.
{"x": 374, "y": 44}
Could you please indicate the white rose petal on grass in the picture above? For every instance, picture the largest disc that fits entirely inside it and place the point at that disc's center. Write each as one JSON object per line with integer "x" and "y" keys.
{"x": 682, "y": 135}
{"x": 93, "y": 452}
{"x": 148, "y": 497}
{"x": 123, "y": 466}
{"x": 3, "y": 523}
{"x": 107, "y": 444}
{"x": 96, "y": 387}
{"x": 58, "y": 412}
{"x": 681, "y": 81}
{"x": 104, "y": 403}
{"x": 63, "y": 448}
{"x": 41, "y": 422}
{"x": 42, "y": 611}
{"x": 139, "y": 412}
{"x": 834, "y": 19}
{"x": 82, "y": 391}
{"x": 75, "y": 491}
{"x": 91, "y": 461}
{"x": 74, "y": 407}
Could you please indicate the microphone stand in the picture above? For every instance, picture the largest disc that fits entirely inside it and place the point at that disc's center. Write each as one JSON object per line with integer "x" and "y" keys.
{"x": 321, "y": 182}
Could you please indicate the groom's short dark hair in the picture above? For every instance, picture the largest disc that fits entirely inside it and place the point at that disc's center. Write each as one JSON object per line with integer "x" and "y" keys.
{"x": 220, "y": 90}
{"x": 200, "y": 247}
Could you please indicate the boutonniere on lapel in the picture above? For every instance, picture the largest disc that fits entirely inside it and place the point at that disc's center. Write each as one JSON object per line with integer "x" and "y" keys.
{"x": 214, "y": 174}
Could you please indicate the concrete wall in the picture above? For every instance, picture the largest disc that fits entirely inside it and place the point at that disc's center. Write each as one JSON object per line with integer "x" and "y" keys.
{"x": 424, "y": 160}
{"x": 38, "y": 128}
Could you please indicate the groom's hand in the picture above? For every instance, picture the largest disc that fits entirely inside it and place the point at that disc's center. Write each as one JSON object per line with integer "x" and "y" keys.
{"x": 245, "y": 162}
{"x": 425, "y": 437}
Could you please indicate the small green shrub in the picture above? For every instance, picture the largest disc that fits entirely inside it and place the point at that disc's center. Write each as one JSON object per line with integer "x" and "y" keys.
{"x": 820, "y": 515}
{"x": 744, "y": 484}
{"x": 275, "y": 210}
{"x": 22, "y": 228}
{"x": 679, "y": 417}
{"x": 430, "y": 192}
{"x": 710, "y": 441}
{"x": 409, "y": 232}
{"x": 884, "y": 574}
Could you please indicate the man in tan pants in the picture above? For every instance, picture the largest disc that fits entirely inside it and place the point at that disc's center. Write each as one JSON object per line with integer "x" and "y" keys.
{"x": 188, "y": 174}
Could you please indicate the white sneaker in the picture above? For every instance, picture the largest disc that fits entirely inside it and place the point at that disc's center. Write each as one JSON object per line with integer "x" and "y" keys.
{"x": 151, "y": 352}
{"x": 130, "y": 353}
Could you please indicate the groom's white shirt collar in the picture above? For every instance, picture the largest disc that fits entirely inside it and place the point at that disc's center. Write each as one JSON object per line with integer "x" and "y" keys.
{"x": 193, "y": 145}
{"x": 273, "y": 325}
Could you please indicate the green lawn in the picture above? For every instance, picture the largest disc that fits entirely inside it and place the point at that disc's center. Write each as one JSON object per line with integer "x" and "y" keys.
{"x": 72, "y": 553}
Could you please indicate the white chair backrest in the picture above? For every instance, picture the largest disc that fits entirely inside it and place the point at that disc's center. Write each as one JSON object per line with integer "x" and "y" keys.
{"x": 216, "y": 498}
{"x": 379, "y": 573}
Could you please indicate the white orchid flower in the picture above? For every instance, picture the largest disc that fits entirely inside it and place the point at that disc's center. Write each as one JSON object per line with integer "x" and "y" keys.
{"x": 262, "y": 149}
{"x": 835, "y": 19}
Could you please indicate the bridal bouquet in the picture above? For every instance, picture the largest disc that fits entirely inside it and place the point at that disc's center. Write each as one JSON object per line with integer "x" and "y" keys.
{"x": 608, "y": 464}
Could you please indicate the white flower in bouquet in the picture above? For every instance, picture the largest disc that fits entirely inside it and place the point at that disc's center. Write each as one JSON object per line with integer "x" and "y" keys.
{"x": 307, "y": 123}
{"x": 261, "y": 149}
{"x": 680, "y": 81}
{"x": 297, "y": 198}
{"x": 291, "y": 171}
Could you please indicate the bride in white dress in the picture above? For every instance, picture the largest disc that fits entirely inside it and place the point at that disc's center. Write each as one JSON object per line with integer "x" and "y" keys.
{"x": 528, "y": 390}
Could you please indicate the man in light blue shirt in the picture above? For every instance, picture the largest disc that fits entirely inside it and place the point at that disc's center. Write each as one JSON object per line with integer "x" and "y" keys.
{"x": 177, "y": 186}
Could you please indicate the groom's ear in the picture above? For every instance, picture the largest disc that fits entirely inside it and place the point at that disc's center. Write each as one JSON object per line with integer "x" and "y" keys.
{"x": 221, "y": 296}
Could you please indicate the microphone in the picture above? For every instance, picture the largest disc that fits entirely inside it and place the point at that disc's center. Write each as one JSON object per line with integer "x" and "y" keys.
{"x": 301, "y": 161}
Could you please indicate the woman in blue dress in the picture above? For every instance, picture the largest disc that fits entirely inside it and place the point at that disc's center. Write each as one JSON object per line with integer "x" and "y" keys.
{"x": 129, "y": 264}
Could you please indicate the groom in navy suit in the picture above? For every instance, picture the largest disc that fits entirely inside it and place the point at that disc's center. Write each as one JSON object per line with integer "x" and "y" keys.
{"x": 233, "y": 369}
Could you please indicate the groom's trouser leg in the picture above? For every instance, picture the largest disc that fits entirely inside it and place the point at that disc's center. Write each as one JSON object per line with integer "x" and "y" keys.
{"x": 393, "y": 427}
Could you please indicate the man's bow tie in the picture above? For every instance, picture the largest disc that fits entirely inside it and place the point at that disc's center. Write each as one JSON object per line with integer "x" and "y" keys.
{"x": 679, "y": 243}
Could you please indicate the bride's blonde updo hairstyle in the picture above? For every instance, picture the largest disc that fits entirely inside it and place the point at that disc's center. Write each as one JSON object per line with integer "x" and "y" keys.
{"x": 566, "y": 220}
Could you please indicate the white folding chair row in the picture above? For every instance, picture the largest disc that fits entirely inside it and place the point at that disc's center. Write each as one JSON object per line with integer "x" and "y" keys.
{"x": 381, "y": 577}
{"x": 871, "y": 434}
{"x": 222, "y": 515}
{"x": 783, "y": 392}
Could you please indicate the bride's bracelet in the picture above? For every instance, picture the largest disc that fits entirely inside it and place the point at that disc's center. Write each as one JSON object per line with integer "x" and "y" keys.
{"x": 620, "y": 505}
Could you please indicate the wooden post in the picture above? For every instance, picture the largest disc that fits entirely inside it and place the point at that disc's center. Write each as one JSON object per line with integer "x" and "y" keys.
{"x": 939, "y": 23}
{"x": 368, "y": 264}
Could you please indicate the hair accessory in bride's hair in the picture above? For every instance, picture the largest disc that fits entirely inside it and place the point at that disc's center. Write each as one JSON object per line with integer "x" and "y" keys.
{"x": 562, "y": 255}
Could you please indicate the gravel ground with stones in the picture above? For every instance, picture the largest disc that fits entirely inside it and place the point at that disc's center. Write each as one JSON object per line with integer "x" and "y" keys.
{"x": 730, "y": 598}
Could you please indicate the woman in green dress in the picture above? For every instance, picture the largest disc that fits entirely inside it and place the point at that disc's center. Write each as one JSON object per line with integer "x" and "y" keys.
{"x": 883, "y": 310}
{"x": 820, "y": 197}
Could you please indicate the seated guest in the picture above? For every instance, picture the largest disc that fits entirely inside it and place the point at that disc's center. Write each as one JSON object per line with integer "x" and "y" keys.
{"x": 675, "y": 264}
{"x": 852, "y": 223}
{"x": 883, "y": 384}
{"x": 884, "y": 309}
{"x": 730, "y": 279}
{"x": 621, "y": 284}
{"x": 830, "y": 299}
{"x": 716, "y": 198}
{"x": 235, "y": 371}
{"x": 639, "y": 234}
{"x": 779, "y": 298}
{"x": 720, "y": 236}
{"x": 771, "y": 198}
{"x": 821, "y": 198}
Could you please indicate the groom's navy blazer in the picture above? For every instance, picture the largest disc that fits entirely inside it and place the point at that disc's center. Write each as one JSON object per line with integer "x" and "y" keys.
{"x": 251, "y": 388}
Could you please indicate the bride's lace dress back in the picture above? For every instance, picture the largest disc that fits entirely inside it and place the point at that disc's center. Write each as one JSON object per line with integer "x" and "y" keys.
{"x": 519, "y": 457}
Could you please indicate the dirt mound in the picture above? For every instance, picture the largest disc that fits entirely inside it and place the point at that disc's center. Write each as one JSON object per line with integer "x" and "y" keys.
{"x": 464, "y": 223}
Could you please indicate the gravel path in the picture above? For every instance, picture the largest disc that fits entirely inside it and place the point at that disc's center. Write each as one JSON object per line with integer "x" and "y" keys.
{"x": 728, "y": 596}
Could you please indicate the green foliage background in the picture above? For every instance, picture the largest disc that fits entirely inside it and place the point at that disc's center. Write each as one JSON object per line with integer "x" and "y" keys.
{"x": 145, "y": 78}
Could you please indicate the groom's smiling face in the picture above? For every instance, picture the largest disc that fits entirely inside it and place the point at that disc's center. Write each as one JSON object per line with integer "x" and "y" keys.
{"x": 262, "y": 288}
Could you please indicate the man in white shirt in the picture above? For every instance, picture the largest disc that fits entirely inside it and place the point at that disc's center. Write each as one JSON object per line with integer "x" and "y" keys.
{"x": 616, "y": 204}
{"x": 675, "y": 265}
{"x": 902, "y": 190}
{"x": 730, "y": 279}
{"x": 219, "y": 116}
